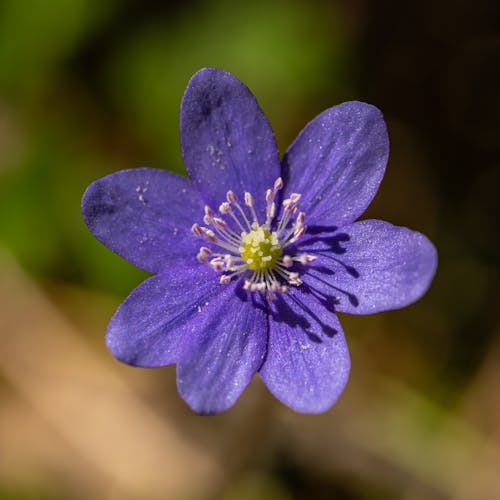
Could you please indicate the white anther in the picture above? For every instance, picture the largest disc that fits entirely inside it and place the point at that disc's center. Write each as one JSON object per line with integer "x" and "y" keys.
{"x": 208, "y": 234}
{"x": 205, "y": 251}
{"x": 301, "y": 218}
{"x": 278, "y": 184}
{"x": 209, "y": 211}
{"x": 207, "y": 219}
{"x": 248, "y": 199}
{"x": 224, "y": 279}
{"x": 299, "y": 233}
{"x": 247, "y": 285}
{"x": 269, "y": 195}
{"x": 295, "y": 281}
{"x": 220, "y": 223}
{"x": 287, "y": 261}
{"x": 196, "y": 228}
{"x": 295, "y": 197}
{"x": 203, "y": 254}
{"x": 225, "y": 208}
{"x": 231, "y": 197}
{"x": 306, "y": 259}
{"x": 202, "y": 258}
{"x": 217, "y": 264}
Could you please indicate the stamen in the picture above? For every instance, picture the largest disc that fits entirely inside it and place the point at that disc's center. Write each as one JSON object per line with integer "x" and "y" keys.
{"x": 231, "y": 197}
{"x": 229, "y": 261}
{"x": 257, "y": 251}
{"x": 196, "y": 228}
{"x": 300, "y": 219}
{"x": 248, "y": 199}
{"x": 220, "y": 223}
{"x": 305, "y": 258}
{"x": 203, "y": 254}
{"x": 209, "y": 212}
{"x": 224, "y": 208}
{"x": 270, "y": 210}
{"x": 208, "y": 234}
{"x": 205, "y": 251}
{"x": 298, "y": 234}
{"x": 249, "y": 202}
{"x": 217, "y": 264}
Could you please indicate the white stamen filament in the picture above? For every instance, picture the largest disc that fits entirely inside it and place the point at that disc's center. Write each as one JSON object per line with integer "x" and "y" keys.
{"x": 238, "y": 206}
{"x": 249, "y": 202}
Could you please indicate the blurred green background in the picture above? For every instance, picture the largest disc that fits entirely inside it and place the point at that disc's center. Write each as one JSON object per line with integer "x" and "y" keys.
{"x": 90, "y": 87}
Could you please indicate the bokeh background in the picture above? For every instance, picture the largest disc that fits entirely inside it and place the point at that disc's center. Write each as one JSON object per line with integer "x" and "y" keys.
{"x": 89, "y": 87}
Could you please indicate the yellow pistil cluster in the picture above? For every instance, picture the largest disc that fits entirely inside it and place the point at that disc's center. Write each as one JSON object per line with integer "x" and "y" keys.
{"x": 260, "y": 248}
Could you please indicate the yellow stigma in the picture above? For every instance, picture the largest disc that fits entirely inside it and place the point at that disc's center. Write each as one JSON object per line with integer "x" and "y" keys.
{"x": 260, "y": 248}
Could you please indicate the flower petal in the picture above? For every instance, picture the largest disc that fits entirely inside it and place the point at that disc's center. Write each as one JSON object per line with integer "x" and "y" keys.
{"x": 227, "y": 142}
{"x": 145, "y": 215}
{"x": 231, "y": 344}
{"x": 156, "y": 323}
{"x": 370, "y": 266}
{"x": 337, "y": 163}
{"x": 307, "y": 363}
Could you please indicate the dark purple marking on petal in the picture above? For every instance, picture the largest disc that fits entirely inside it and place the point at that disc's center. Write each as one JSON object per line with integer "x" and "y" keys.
{"x": 370, "y": 266}
{"x": 227, "y": 142}
{"x": 307, "y": 364}
{"x": 156, "y": 324}
{"x": 145, "y": 215}
{"x": 230, "y": 346}
{"x": 337, "y": 163}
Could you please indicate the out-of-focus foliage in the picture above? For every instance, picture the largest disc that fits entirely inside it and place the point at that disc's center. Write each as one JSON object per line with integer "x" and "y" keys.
{"x": 36, "y": 38}
{"x": 90, "y": 87}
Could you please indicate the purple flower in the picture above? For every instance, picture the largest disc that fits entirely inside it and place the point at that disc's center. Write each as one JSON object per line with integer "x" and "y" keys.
{"x": 252, "y": 258}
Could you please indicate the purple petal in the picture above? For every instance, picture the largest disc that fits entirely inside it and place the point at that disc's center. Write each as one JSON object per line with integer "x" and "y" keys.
{"x": 157, "y": 322}
{"x": 370, "y": 266}
{"x": 230, "y": 346}
{"x": 145, "y": 215}
{"x": 337, "y": 163}
{"x": 227, "y": 142}
{"x": 307, "y": 363}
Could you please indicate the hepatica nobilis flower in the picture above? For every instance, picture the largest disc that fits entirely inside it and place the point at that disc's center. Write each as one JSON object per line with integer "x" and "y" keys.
{"x": 252, "y": 257}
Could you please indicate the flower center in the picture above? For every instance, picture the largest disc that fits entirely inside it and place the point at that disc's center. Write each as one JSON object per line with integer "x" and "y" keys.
{"x": 260, "y": 248}
{"x": 239, "y": 247}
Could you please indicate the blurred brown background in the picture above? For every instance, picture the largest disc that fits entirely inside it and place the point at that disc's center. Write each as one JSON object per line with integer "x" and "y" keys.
{"x": 89, "y": 87}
